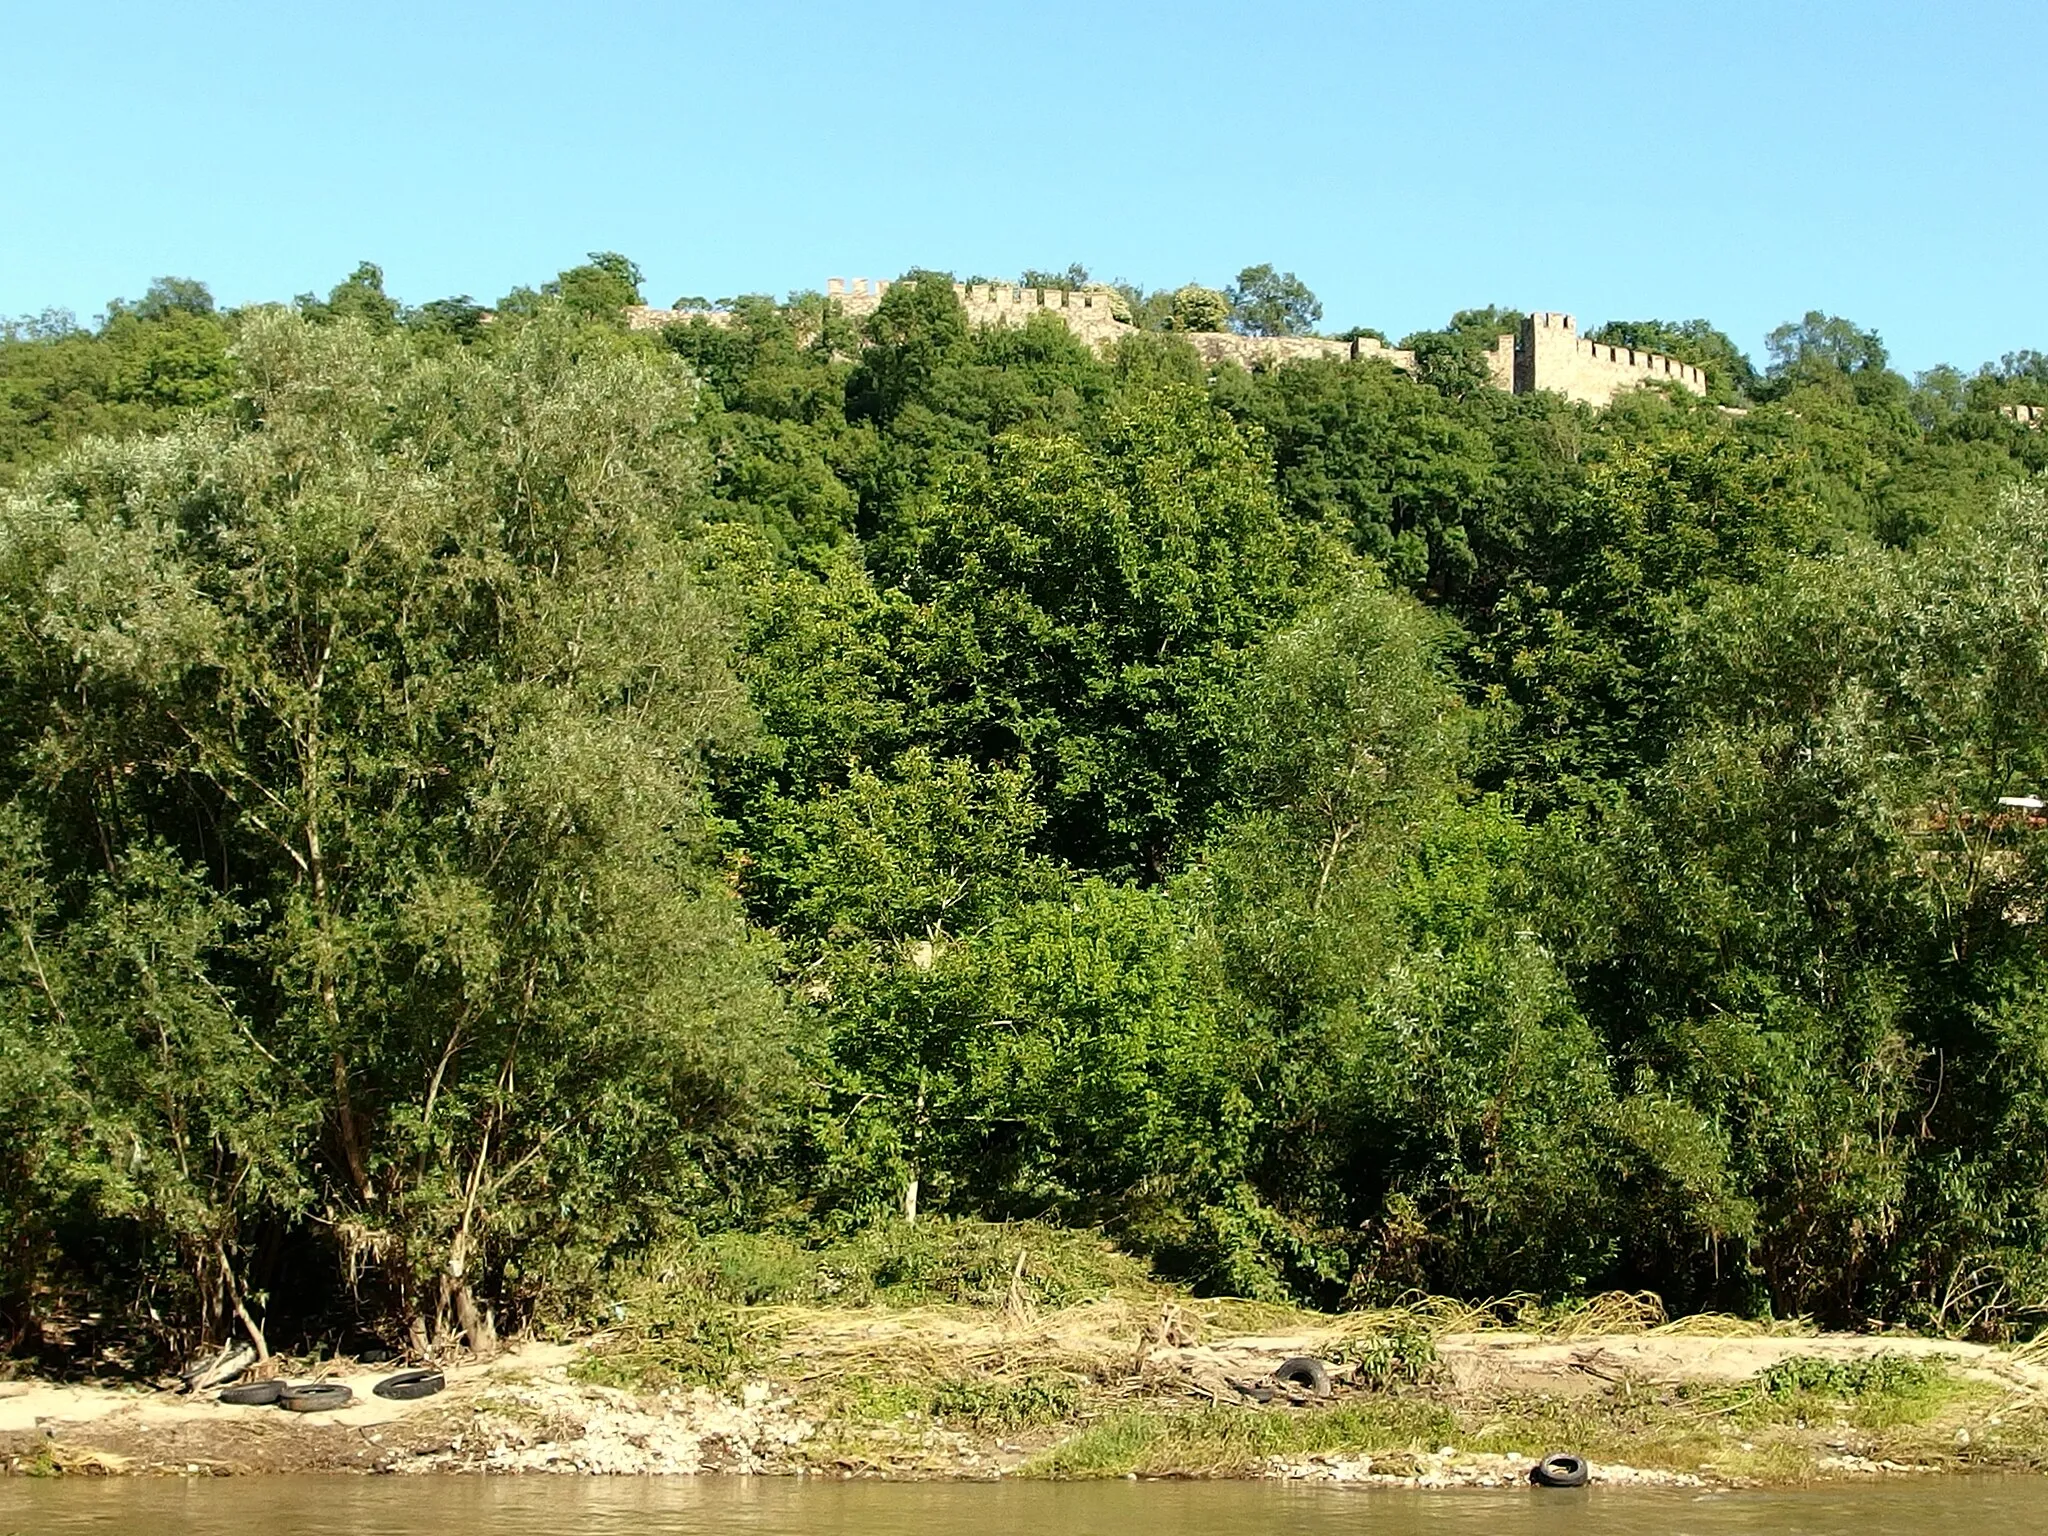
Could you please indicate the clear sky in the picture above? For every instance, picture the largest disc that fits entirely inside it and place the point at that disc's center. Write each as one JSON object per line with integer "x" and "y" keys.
{"x": 1739, "y": 160}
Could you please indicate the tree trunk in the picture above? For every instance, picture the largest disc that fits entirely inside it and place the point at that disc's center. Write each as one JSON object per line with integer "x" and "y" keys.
{"x": 916, "y": 1150}
{"x": 477, "y": 1324}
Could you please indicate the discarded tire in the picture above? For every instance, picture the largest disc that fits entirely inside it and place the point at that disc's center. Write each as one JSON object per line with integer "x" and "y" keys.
{"x": 407, "y": 1385}
{"x": 1559, "y": 1471}
{"x": 254, "y": 1394}
{"x": 315, "y": 1396}
{"x": 1306, "y": 1372}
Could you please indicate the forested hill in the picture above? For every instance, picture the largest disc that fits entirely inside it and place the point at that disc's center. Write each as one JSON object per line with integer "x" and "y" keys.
{"x": 489, "y": 795}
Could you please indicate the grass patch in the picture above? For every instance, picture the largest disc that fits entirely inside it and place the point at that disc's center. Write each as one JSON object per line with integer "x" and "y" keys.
{"x": 1773, "y": 1428}
{"x": 1227, "y": 1442}
{"x": 935, "y": 1262}
{"x": 986, "y": 1404}
{"x": 1401, "y": 1356}
{"x": 1881, "y": 1392}
{"x": 699, "y": 1312}
{"x": 670, "y": 1341}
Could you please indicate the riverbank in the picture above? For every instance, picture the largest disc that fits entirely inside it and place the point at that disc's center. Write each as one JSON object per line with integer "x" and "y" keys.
{"x": 1118, "y": 1387}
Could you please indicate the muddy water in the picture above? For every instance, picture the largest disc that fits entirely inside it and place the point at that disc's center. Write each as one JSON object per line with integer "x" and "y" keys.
{"x": 461, "y": 1506}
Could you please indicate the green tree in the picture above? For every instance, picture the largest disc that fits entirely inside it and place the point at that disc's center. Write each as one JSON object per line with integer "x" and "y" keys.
{"x": 460, "y": 318}
{"x": 1823, "y": 343}
{"x": 167, "y": 296}
{"x": 919, "y": 325}
{"x": 1730, "y": 374}
{"x": 1402, "y": 474}
{"x": 1073, "y": 279}
{"x": 1264, "y": 302}
{"x": 1578, "y": 647}
{"x": 1195, "y": 308}
{"x": 141, "y": 370}
{"x": 1088, "y": 607}
{"x": 1428, "y": 1085}
{"x": 1453, "y": 360}
{"x": 359, "y": 296}
{"x": 598, "y": 290}
{"x": 378, "y": 715}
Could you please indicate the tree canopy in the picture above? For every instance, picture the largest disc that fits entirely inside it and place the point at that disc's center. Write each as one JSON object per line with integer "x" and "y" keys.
{"x": 490, "y": 792}
{"x": 1264, "y": 302}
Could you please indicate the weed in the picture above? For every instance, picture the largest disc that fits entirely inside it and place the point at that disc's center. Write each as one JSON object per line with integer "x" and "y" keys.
{"x": 679, "y": 1345}
{"x": 1005, "y": 1405}
{"x": 1878, "y": 1376}
{"x": 935, "y": 1262}
{"x": 1227, "y": 1441}
{"x": 1879, "y": 1392}
{"x": 993, "y": 1404}
{"x": 1398, "y": 1357}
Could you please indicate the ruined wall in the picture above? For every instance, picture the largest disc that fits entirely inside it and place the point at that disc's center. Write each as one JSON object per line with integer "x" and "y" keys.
{"x": 1548, "y": 353}
{"x": 2026, "y": 415}
{"x": 641, "y": 317}
{"x": 1088, "y": 313}
{"x": 1366, "y": 348}
{"x": 1551, "y": 354}
{"x": 1272, "y": 351}
{"x": 1500, "y": 362}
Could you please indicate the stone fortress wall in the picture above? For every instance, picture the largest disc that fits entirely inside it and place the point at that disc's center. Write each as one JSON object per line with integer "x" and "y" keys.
{"x": 1551, "y": 354}
{"x": 1087, "y": 312}
{"x": 1546, "y": 353}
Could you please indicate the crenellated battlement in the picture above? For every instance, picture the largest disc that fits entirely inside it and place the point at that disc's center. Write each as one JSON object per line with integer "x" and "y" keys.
{"x": 1551, "y": 354}
{"x": 1547, "y": 353}
{"x": 866, "y": 292}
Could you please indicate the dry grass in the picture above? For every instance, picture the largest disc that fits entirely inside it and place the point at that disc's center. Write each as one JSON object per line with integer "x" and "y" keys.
{"x": 1605, "y": 1315}
{"x": 1100, "y": 1341}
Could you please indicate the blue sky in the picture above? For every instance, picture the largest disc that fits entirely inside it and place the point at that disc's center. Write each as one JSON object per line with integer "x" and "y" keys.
{"x": 1739, "y": 160}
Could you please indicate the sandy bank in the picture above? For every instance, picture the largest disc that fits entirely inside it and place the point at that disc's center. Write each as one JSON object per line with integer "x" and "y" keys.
{"x": 837, "y": 1395}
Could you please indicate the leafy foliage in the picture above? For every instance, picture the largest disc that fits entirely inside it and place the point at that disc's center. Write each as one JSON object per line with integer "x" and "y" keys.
{"x": 499, "y": 808}
{"x": 1195, "y": 308}
{"x": 1268, "y": 303}
{"x": 357, "y": 850}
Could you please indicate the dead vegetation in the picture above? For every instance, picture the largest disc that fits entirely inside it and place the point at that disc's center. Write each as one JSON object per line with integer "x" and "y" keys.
{"x": 916, "y": 1362}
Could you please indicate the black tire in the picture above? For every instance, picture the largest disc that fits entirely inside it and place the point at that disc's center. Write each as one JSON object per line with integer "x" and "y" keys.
{"x": 315, "y": 1397}
{"x": 1306, "y": 1372}
{"x": 1560, "y": 1470}
{"x": 254, "y": 1394}
{"x": 407, "y": 1385}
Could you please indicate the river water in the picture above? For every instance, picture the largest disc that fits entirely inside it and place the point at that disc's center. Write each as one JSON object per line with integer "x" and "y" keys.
{"x": 478, "y": 1506}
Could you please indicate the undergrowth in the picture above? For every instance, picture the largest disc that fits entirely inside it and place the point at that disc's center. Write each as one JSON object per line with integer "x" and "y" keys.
{"x": 1769, "y": 1428}
{"x": 1398, "y": 1356}
{"x": 992, "y": 1405}
{"x": 1232, "y": 1441}
{"x": 935, "y": 1261}
{"x": 688, "y": 1315}
{"x": 1881, "y": 1392}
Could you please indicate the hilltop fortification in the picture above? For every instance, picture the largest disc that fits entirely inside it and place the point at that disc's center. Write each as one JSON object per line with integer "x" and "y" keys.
{"x": 1551, "y": 354}
{"x": 1546, "y": 353}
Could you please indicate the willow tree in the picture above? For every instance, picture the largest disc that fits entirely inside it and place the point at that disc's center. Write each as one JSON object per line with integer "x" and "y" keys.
{"x": 355, "y": 865}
